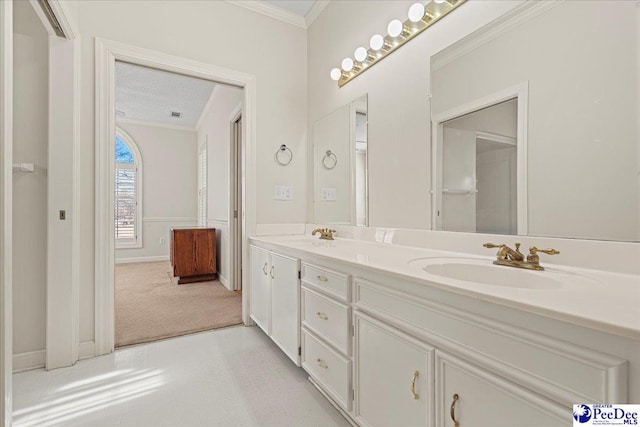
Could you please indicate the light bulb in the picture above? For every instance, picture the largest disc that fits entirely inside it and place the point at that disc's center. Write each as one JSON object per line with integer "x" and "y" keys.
{"x": 360, "y": 54}
{"x": 335, "y": 74}
{"x": 347, "y": 64}
{"x": 376, "y": 42}
{"x": 416, "y": 12}
{"x": 439, "y": 1}
{"x": 394, "y": 28}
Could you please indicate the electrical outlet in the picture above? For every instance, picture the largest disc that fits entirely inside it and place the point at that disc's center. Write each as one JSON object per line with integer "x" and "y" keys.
{"x": 163, "y": 241}
{"x": 283, "y": 192}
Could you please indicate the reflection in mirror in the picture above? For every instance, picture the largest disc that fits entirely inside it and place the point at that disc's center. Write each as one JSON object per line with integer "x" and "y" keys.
{"x": 340, "y": 166}
{"x": 573, "y": 67}
{"x": 478, "y": 190}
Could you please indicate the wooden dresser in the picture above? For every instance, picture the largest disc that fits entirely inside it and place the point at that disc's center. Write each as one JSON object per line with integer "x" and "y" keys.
{"x": 193, "y": 254}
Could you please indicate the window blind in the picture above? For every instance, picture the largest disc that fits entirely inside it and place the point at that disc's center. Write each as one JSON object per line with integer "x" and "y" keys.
{"x": 125, "y": 202}
{"x": 202, "y": 186}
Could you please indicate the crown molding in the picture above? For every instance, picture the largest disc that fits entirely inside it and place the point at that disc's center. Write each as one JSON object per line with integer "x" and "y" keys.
{"x": 153, "y": 124}
{"x": 271, "y": 11}
{"x": 512, "y": 19}
{"x": 315, "y": 11}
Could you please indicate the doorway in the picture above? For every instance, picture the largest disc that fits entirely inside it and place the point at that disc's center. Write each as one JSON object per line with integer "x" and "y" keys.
{"x": 236, "y": 200}
{"x": 107, "y": 53}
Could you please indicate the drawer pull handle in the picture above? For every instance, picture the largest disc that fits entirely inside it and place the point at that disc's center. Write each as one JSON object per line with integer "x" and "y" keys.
{"x": 264, "y": 268}
{"x": 416, "y": 374}
{"x": 452, "y": 411}
{"x": 322, "y": 364}
{"x": 271, "y": 272}
{"x": 322, "y": 279}
{"x": 322, "y": 316}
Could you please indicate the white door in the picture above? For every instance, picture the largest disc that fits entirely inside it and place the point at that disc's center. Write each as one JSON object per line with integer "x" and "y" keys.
{"x": 285, "y": 305}
{"x": 393, "y": 376}
{"x": 486, "y": 400}
{"x": 260, "y": 294}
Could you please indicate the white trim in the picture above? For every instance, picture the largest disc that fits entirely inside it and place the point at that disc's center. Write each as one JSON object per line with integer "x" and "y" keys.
{"x": 217, "y": 221}
{"x": 6, "y": 190}
{"x": 521, "y": 92}
{"x": 137, "y": 167}
{"x": 224, "y": 281}
{"x": 512, "y": 19}
{"x": 170, "y": 219}
{"x": 142, "y": 259}
{"x": 206, "y": 108}
{"x": 28, "y": 360}
{"x": 235, "y": 268}
{"x": 43, "y": 18}
{"x": 497, "y": 138}
{"x": 315, "y": 11}
{"x": 60, "y": 10}
{"x": 120, "y": 120}
{"x": 87, "y": 350}
{"x": 266, "y": 9}
{"x": 107, "y": 52}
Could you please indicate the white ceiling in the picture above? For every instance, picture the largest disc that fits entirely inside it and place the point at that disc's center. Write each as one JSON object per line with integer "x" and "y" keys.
{"x": 297, "y": 7}
{"x": 150, "y": 95}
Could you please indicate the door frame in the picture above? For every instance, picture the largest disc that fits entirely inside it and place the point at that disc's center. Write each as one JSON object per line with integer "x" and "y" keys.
{"x": 107, "y": 52}
{"x": 235, "y": 185}
{"x": 519, "y": 91}
{"x": 6, "y": 208}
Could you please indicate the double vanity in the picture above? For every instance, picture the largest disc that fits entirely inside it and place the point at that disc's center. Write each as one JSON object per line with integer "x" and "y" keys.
{"x": 412, "y": 336}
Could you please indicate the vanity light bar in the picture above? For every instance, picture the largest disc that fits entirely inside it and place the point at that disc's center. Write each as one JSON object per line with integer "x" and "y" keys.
{"x": 421, "y": 16}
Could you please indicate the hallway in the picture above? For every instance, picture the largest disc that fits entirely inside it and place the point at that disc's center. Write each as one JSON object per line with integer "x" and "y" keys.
{"x": 229, "y": 377}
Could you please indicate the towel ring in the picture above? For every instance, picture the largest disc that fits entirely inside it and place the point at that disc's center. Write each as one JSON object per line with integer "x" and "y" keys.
{"x": 279, "y": 154}
{"x": 330, "y": 160}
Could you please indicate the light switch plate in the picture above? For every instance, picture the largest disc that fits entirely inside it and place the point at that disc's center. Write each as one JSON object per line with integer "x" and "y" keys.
{"x": 328, "y": 194}
{"x": 283, "y": 192}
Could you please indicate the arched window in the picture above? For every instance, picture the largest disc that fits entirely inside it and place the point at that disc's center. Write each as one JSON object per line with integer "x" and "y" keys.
{"x": 128, "y": 192}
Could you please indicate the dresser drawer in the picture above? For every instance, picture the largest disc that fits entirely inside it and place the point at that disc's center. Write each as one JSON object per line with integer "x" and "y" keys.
{"x": 330, "y": 282}
{"x": 329, "y": 369}
{"x": 329, "y": 319}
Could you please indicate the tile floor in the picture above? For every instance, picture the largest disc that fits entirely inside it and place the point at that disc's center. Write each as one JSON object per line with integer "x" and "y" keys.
{"x": 228, "y": 377}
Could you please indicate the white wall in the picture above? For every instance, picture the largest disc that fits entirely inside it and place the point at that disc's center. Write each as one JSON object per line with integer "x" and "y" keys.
{"x": 31, "y": 50}
{"x": 582, "y": 122}
{"x": 221, "y": 34}
{"x": 215, "y": 130}
{"x": 169, "y": 186}
{"x": 398, "y": 88}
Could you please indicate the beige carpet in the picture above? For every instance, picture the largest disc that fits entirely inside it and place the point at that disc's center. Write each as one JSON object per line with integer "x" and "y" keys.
{"x": 150, "y": 305}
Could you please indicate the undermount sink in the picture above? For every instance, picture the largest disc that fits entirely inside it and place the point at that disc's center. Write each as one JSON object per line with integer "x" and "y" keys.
{"x": 484, "y": 272}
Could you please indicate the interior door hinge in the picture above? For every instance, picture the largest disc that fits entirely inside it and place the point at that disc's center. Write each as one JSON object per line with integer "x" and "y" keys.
{"x": 299, "y": 351}
{"x": 353, "y": 395}
{"x": 235, "y": 214}
{"x": 353, "y": 330}
{"x": 299, "y": 274}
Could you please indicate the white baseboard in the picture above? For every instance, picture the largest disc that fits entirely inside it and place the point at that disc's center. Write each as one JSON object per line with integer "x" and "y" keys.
{"x": 28, "y": 360}
{"x": 86, "y": 350}
{"x": 224, "y": 281}
{"x": 142, "y": 259}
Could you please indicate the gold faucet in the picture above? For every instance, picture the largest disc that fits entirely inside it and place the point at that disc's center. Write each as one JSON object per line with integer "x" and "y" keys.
{"x": 325, "y": 233}
{"x": 515, "y": 258}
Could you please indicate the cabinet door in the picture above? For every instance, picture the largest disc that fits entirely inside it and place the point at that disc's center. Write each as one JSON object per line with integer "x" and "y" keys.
{"x": 393, "y": 376}
{"x": 204, "y": 248}
{"x": 285, "y": 304}
{"x": 183, "y": 254}
{"x": 260, "y": 289}
{"x": 487, "y": 400}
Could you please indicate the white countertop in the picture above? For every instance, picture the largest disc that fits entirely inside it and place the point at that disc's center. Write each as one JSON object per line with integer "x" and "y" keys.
{"x": 601, "y": 300}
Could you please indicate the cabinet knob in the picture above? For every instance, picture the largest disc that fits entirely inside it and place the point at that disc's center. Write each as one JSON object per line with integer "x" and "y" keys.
{"x": 452, "y": 411}
{"x": 271, "y": 272}
{"x": 322, "y": 316}
{"x": 322, "y": 279}
{"x": 264, "y": 268}
{"x": 322, "y": 364}
{"x": 416, "y": 374}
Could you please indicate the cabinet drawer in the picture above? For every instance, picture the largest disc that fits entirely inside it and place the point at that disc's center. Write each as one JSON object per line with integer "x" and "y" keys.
{"x": 328, "y": 319}
{"x": 329, "y": 369}
{"x": 486, "y": 400}
{"x": 331, "y": 282}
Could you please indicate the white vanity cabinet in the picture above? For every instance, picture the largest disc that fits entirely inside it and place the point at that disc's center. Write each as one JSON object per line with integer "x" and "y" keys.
{"x": 393, "y": 376}
{"x": 326, "y": 331}
{"x": 275, "y": 298}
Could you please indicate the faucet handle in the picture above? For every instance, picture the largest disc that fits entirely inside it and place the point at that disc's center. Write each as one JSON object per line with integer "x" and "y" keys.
{"x": 493, "y": 245}
{"x": 533, "y": 250}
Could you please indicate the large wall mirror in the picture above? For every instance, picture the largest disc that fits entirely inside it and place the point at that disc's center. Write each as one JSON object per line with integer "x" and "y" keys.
{"x": 536, "y": 124}
{"x": 340, "y": 166}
